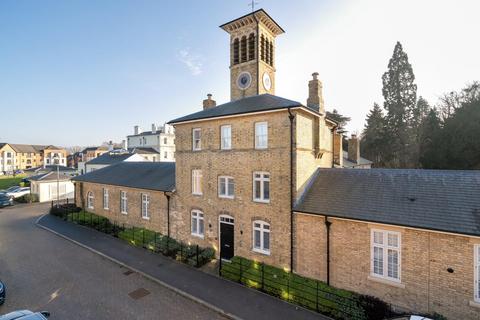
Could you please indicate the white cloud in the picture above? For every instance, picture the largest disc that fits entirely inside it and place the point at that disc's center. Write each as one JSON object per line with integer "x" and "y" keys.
{"x": 192, "y": 61}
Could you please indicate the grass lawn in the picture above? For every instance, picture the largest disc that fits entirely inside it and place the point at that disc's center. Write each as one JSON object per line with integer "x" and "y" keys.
{"x": 8, "y": 181}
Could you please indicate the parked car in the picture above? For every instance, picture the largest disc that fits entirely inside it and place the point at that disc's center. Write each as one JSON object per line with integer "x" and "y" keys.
{"x": 5, "y": 200}
{"x": 410, "y": 317}
{"x": 11, "y": 189}
{"x": 2, "y": 292}
{"x": 25, "y": 315}
{"x": 17, "y": 193}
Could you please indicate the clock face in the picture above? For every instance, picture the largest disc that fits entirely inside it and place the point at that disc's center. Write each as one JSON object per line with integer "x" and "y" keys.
{"x": 244, "y": 80}
{"x": 267, "y": 82}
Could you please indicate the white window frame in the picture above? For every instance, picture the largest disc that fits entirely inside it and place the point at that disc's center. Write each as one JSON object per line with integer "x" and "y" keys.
{"x": 196, "y": 147}
{"x": 258, "y": 125}
{"x": 197, "y": 178}
{"x": 106, "y": 199}
{"x": 123, "y": 202}
{"x": 262, "y": 180}
{"x": 90, "y": 200}
{"x": 385, "y": 246}
{"x": 226, "y": 137}
{"x": 262, "y": 229}
{"x": 197, "y": 219}
{"x": 145, "y": 206}
{"x": 227, "y": 187}
{"x": 476, "y": 275}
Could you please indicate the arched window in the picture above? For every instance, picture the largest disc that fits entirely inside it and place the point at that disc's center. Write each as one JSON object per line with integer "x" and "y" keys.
{"x": 90, "y": 200}
{"x": 262, "y": 48}
{"x": 243, "y": 49}
{"x": 267, "y": 51}
{"x": 236, "y": 51}
{"x": 261, "y": 237}
{"x": 251, "y": 47}
{"x": 271, "y": 53}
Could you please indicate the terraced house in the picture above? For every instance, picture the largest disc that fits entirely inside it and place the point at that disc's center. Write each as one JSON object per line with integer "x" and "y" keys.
{"x": 261, "y": 177}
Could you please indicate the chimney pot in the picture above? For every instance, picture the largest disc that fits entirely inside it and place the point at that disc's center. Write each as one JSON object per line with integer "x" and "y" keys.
{"x": 315, "y": 75}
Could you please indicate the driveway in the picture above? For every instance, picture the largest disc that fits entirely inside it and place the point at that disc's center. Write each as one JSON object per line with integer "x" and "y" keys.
{"x": 44, "y": 272}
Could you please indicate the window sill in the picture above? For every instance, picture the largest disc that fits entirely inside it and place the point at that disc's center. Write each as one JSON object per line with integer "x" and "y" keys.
{"x": 146, "y": 218}
{"x": 261, "y": 201}
{"x": 475, "y": 304}
{"x": 226, "y": 197}
{"x": 197, "y": 194}
{"x": 386, "y": 281}
{"x": 124, "y": 213}
{"x": 266, "y": 253}
{"x": 201, "y": 236}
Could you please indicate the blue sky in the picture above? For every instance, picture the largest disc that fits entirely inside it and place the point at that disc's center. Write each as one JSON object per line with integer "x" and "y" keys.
{"x": 84, "y": 72}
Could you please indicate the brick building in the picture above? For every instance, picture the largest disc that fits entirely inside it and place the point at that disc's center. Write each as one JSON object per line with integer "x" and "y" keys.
{"x": 254, "y": 178}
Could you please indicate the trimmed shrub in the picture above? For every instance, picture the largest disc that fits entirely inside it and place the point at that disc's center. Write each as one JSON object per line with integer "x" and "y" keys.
{"x": 28, "y": 198}
{"x": 306, "y": 292}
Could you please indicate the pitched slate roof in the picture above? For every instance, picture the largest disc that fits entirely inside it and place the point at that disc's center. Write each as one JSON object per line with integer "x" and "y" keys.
{"x": 141, "y": 175}
{"x": 110, "y": 158}
{"x": 50, "y": 176}
{"x": 263, "y": 102}
{"x": 144, "y": 150}
{"x": 442, "y": 200}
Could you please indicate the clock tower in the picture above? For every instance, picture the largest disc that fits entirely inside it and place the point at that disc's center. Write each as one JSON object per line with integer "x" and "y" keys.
{"x": 252, "y": 54}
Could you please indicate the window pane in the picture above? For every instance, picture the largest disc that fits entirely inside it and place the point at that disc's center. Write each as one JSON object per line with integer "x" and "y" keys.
{"x": 200, "y": 226}
{"x": 378, "y": 260}
{"x": 222, "y": 186}
{"x": 256, "y": 236}
{"x": 392, "y": 240}
{"x": 378, "y": 237}
{"x": 266, "y": 190}
{"x": 266, "y": 240}
{"x": 231, "y": 187}
{"x": 257, "y": 189}
{"x": 194, "y": 225}
{"x": 393, "y": 264}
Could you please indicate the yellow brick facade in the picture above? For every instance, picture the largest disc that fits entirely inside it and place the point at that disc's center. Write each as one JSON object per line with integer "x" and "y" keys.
{"x": 157, "y": 207}
{"x": 426, "y": 285}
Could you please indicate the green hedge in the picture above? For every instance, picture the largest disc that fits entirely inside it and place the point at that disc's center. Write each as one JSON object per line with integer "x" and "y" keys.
{"x": 145, "y": 238}
{"x": 309, "y": 293}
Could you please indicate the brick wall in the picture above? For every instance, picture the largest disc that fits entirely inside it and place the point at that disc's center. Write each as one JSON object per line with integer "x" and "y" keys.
{"x": 426, "y": 285}
{"x": 157, "y": 210}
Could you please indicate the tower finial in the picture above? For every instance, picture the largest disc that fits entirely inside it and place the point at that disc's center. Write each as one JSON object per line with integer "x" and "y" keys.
{"x": 252, "y": 4}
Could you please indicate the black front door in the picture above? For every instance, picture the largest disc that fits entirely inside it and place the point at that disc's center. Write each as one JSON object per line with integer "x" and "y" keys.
{"x": 226, "y": 241}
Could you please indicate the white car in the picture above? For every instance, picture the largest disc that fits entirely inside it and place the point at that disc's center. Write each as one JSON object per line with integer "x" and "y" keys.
{"x": 26, "y": 315}
{"x": 20, "y": 191}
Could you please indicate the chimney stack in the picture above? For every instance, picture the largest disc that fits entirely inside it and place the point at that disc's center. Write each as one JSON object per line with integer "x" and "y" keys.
{"x": 124, "y": 145}
{"x": 353, "y": 149}
{"x": 209, "y": 102}
{"x": 154, "y": 128}
{"x": 136, "y": 130}
{"x": 338, "y": 149}
{"x": 110, "y": 145}
{"x": 315, "y": 96}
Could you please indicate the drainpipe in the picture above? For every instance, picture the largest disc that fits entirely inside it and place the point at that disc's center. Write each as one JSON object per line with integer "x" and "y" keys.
{"x": 291, "y": 117}
{"x": 327, "y": 225}
{"x": 168, "y": 213}
{"x": 333, "y": 146}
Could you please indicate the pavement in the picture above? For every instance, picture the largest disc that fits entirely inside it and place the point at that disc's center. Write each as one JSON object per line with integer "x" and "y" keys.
{"x": 45, "y": 272}
{"x": 227, "y": 298}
